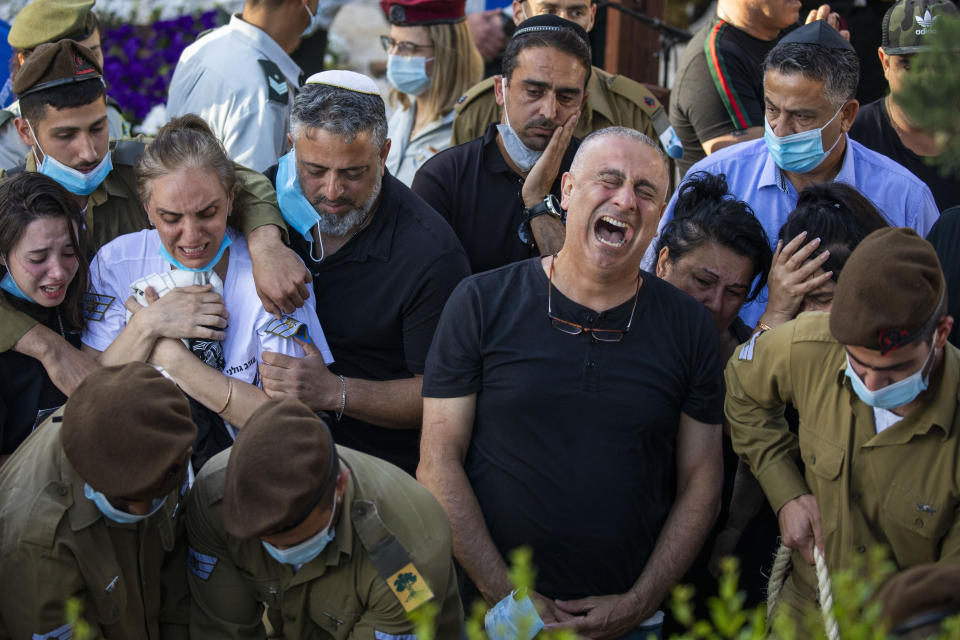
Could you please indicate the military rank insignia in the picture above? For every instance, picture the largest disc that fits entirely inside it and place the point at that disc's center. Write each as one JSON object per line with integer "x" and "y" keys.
{"x": 287, "y": 327}
{"x": 277, "y": 89}
{"x": 409, "y": 587}
{"x": 201, "y": 564}
{"x": 95, "y": 305}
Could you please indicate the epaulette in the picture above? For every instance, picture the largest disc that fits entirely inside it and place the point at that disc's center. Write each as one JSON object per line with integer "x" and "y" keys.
{"x": 643, "y": 98}
{"x": 388, "y": 556}
{"x": 473, "y": 92}
{"x": 277, "y": 89}
{"x": 128, "y": 151}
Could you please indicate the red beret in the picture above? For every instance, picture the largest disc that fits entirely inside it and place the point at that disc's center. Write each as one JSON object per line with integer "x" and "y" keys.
{"x": 410, "y": 13}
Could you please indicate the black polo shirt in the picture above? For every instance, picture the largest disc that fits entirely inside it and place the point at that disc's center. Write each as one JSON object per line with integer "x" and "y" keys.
{"x": 379, "y": 298}
{"x": 573, "y": 445}
{"x": 472, "y": 186}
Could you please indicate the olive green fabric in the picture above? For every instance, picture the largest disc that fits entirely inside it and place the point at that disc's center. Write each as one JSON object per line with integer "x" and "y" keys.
{"x": 114, "y": 209}
{"x": 898, "y": 488}
{"x": 55, "y": 544}
{"x": 613, "y": 101}
{"x": 51, "y": 20}
{"x": 339, "y": 594}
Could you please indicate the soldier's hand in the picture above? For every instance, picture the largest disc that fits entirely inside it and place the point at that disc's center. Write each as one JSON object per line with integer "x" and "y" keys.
{"x": 542, "y": 175}
{"x": 308, "y": 379}
{"x": 800, "y": 526}
{"x": 823, "y": 12}
{"x": 278, "y": 273}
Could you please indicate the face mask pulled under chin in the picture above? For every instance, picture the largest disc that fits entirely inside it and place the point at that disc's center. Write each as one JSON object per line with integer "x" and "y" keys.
{"x": 118, "y": 516}
{"x": 303, "y": 552}
{"x": 521, "y": 155}
{"x": 895, "y": 395}
{"x": 76, "y": 182}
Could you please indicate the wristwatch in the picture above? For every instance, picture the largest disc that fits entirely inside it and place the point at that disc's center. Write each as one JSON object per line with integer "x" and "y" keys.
{"x": 549, "y": 206}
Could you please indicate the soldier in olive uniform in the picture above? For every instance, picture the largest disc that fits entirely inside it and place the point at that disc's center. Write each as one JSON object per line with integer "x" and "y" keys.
{"x": 40, "y": 22}
{"x": 64, "y": 120}
{"x": 613, "y": 100}
{"x": 875, "y": 384}
{"x": 332, "y": 542}
{"x": 89, "y": 507}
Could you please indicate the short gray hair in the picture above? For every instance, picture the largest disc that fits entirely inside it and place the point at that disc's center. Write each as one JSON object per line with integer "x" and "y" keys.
{"x": 618, "y": 132}
{"x": 340, "y": 111}
{"x": 837, "y": 69}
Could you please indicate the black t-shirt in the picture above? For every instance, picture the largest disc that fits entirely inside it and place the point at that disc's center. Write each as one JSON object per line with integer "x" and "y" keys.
{"x": 718, "y": 88}
{"x": 574, "y": 441}
{"x": 472, "y": 186}
{"x": 873, "y": 130}
{"x": 27, "y": 396}
{"x": 379, "y": 298}
{"x": 945, "y": 238}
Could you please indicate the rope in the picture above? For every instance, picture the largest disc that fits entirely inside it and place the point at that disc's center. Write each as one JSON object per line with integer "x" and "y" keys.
{"x": 778, "y": 575}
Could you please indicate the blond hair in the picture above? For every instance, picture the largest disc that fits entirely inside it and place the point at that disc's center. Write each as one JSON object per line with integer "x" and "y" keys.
{"x": 457, "y": 66}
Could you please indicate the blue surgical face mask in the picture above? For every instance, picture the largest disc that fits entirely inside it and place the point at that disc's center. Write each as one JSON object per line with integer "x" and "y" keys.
{"x": 522, "y": 155}
{"x": 315, "y": 20}
{"x": 110, "y": 511}
{"x": 408, "y": 75}
{"x": 76, "y": 182}
{"x": 302, "y": 553}
{"x": 210, "y": 265}
{"x": 296, "y": 209}
{"x": 10, "y": 285}
{"x": 799, "y": 152}
{"x": 893, "y": 395}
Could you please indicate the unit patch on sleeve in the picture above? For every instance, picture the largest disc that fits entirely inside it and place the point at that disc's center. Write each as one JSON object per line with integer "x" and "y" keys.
{"x": 200, "y": 564}
{"x": 288, "y": 327}
{"x": 409, "y": 587}
{"x": 60, "y": 633}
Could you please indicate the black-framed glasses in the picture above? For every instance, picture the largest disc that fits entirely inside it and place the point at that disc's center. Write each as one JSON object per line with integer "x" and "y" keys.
{"x": 574, "y": 329}
{"x": 405, "y": 49}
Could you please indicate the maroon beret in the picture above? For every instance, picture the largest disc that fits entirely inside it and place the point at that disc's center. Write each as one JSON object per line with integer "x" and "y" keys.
{"x": 127, "y": 431}
{"x": 410, "y": 13}
{"x": 281, "y": 465}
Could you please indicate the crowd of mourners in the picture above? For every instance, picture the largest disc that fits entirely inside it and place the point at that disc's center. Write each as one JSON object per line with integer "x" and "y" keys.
{"x": 293, "y": 369}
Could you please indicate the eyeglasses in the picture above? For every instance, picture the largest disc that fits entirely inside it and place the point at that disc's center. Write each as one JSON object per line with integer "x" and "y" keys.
{"x": 405, "y": 49}
{"x": 574, "y": 329}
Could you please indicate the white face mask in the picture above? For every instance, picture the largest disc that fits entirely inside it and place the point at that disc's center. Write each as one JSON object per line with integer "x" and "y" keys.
{"x": 521, "y": 155}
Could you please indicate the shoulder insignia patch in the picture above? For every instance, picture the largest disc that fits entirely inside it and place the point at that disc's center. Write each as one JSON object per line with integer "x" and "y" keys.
{"x": 459, "y": 101}
{"x": 409, "y": 587}
{"x": 650, "y": 102}
{"x": 288, "y": 327}
{"x": 60, "y": 633}
{"x": 277, "y": 89}
{"x": 200, "y": 564}
{"x": 746, "y": 351}
{"x": 95, "y": 305}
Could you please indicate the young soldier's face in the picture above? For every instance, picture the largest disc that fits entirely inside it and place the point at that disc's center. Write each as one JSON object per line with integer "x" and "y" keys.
{"x": 76, "y": 136}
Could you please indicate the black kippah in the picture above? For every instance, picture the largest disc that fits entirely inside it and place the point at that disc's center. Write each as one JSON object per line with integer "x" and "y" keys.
{"x": 549, "y": 22}
{"x": 818, "y": 32}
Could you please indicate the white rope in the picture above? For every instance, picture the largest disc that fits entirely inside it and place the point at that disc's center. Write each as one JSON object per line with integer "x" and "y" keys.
{"x": 778, "y": 576}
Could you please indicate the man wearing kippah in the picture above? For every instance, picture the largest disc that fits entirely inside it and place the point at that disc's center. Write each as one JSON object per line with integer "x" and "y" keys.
{"x": 64, "y": 121}
{"x": 37, "y": 23}
{"x": 875, "y": 384}
{"x": 321, "y": 541}
{"x": 883, "y": 125}
{"x": 809, "y": 83}
{"x": 90, "y": 504}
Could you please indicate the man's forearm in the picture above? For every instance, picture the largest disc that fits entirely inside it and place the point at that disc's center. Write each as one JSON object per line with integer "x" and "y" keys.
{"x": 394, "y": 404}
{"x": 472, "y": 545}
{"x": 548, "y": 233}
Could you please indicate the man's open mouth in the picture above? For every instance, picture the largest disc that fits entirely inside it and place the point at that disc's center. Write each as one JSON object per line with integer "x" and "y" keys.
{"x": 612, "y": 232}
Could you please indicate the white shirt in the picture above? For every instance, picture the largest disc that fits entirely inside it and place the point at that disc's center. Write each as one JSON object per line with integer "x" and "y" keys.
{"x": 407, "y": 155}
{"x": 242, "y": 83}
{"x": 251, "y": 331}
{"x": 884, "y": 419}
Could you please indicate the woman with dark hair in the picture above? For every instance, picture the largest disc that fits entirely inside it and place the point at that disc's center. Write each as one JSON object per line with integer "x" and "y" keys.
{"x": 716, "y": 250}
{"x": 804, "y": 276}
{"x": 44, "y": 274}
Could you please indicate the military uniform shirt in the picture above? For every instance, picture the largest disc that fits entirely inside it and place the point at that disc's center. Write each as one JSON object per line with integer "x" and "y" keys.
{"x": 899, "y": 488}
{"x": 55, "y": 544}
{"x": 337, "y": 595}
{"x": 242, "y": 83}
{"x": 114, "y": 209}
{"x": 408, "y": 155}
{"x": 613, "y": 101}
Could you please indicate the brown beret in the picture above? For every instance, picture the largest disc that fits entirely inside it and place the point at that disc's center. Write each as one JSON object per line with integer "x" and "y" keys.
{"x": 56, "y": 64}
{"x": 889, "y": 288}
{"x": 281, "y": 465}
{"x": 922, "y": 594}
{"x": 44, "y": 21}
{"x": 125, "y": 429}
